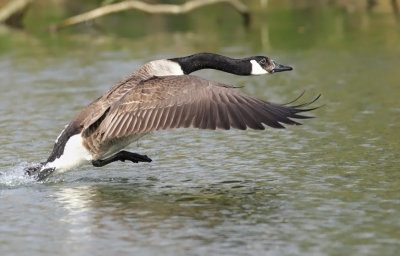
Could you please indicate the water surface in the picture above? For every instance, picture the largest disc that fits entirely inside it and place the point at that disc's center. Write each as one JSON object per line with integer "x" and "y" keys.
{"x": 329, "y": 187}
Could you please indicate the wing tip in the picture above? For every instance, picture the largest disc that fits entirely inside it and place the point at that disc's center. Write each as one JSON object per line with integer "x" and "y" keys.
{"x": 294, "y": 110}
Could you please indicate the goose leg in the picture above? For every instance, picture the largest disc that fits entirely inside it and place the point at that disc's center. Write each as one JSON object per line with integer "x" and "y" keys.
{"x": 121, "y": 156}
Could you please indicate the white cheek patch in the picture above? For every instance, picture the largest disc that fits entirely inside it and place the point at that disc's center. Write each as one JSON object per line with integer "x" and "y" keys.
{"x": 256, "y": 69}
{"x": 74, "y": 154}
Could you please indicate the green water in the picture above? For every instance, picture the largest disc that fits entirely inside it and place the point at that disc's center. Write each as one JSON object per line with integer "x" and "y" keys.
{"x": 329, "y": 187}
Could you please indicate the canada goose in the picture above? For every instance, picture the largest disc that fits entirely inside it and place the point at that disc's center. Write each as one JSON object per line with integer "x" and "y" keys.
{"x": 162, "y": 95}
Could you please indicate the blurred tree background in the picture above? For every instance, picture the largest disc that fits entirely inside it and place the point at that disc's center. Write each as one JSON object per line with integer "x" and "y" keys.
{"x": 37, "y": 16}
{"x": 290, "y": 24}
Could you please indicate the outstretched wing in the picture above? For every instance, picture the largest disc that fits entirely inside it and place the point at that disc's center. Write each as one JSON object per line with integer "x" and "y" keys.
{"x": 189, "y": 101}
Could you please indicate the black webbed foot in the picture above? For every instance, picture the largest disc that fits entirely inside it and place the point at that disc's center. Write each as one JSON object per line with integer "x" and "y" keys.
{"x": 122, "y": 156}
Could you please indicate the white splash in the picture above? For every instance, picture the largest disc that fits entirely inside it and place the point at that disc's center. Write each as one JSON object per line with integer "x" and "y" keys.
{"x": 14, "y": 176}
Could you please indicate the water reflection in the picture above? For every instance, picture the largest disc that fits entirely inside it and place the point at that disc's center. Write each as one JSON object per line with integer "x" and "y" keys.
{"x": 146, "y": 216}
{"x": 76, "y": 218}
{"x": 75, "y": 200}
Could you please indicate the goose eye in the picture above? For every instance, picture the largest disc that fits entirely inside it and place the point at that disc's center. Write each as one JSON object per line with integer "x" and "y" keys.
{"x": 263, "y": 61}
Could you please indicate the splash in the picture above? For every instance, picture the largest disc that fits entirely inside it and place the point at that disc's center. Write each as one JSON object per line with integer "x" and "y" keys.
{"x": 13, "y": 176}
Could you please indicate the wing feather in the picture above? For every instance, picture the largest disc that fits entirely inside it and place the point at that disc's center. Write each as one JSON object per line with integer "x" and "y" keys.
{"x": 175, "y": 121}
{"x": 170, "y": 117}
{"x": 212, "y": 116}
{"x": 190, "y": 101}
{"x": 235, "y": 117}
{"x": 223, "y": 118}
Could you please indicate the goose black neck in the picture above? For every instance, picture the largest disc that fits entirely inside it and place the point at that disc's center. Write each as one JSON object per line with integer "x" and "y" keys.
{"x": 199, "y": 61}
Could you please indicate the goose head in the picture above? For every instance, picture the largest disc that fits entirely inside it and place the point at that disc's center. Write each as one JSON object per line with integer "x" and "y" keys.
{"x": 39, "y": 171}
{"x": 256, "y": 65}
{"x": 261, "y": 65}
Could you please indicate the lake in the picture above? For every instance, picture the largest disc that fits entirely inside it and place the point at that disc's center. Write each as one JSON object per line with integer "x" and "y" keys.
{"x": 328, "y": 187}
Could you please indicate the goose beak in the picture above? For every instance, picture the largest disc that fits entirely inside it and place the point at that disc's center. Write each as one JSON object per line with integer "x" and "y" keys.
{"x": 280, "y": 68}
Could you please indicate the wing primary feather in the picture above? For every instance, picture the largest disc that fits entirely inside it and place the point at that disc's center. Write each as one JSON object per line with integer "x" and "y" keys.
{"x": 157, "y": 118}
{"x": 278, "y": 114}
{"x": 292, "y": 101}
{"x": 206, "y": 113}
{"x": 275, "y": 118}
{"x": 110, "y": 126}
{"x": 177, "y": 117}
{"x": 170, "y": 118}
{"x": 213, "y": 115}
{"x": 235, "y": 119}
{"x": 163, "y": 116}
{"x": 223, "y": 116}
{"x": 145, "y": 119}
{"x": 131, "y": 124}
{"x": 232, "y": 99}
{"x": 265, "y": 116}
{"x": 126, "y": 128}
{"x": 119, "y": 128}
{"x": 138, "y": 121}
{"x": 197, "y": 113}
{"x": 224, "y": 98}
{"x": 150, "y": 117}
{"x": 186, "y": 119}
{"x": 307, "y": 103}
{"x": 249, "y": 116}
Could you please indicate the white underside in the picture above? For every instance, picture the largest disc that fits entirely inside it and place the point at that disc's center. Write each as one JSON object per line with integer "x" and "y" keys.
{"x": 75, "y": 154}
